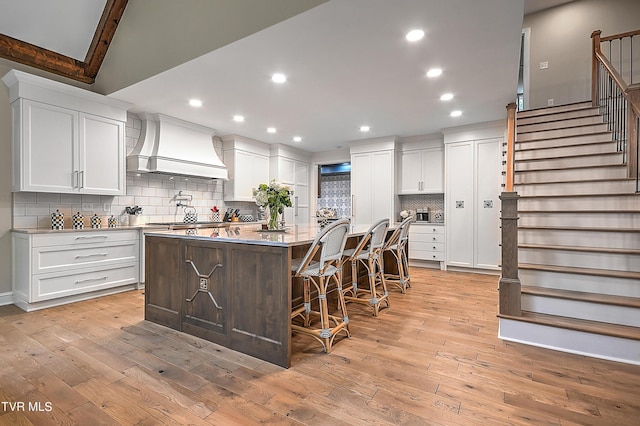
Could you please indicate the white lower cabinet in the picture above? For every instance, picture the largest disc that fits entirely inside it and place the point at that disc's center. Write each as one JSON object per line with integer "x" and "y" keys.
{"x": 426, "y": 242}
{"x": 51, "y": 269}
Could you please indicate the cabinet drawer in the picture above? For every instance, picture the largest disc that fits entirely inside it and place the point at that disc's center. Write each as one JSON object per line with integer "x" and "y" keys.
{"x": 426, "y": 238}
{"x": 51, "y": 286}
{"x": 59, "y": 258}
{"x": 428, "y": 247}
{"x": 426, "y": 229}
{"x": 426, "y": 255}
{"x": 86, "y": 237}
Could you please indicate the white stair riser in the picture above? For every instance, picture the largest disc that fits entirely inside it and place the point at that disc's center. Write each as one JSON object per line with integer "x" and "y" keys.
{"x": 559, "y": 124}
{"x": 621, "y": 315}
{"x": 553, "y": 110}
{"x": 590, "y": 148}
{"x": 573, "y": 140}
{"x": 586, "y": 112}
{"x": 576, "y": 259}
{"x": 591, "y": 220}
{"x": 558, "y": 133}
{"x": 613, "y": 203}
{"x": 577, "y": 188}
{"x": 602, "y": 239}
{"x": 567, "y": 162}
{"x": 627, "y": 287}
{"x": 612, "y": 172}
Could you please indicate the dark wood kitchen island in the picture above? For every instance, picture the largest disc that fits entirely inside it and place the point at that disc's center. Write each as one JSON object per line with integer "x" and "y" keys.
{"x": 230, "y": 286}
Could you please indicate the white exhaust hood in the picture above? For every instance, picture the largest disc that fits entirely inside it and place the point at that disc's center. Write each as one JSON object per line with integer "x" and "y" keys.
{"x": 171, "y": 146}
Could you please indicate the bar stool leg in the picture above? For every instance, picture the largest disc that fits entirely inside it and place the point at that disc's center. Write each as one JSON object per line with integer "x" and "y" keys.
{"x": 307, "y": 301}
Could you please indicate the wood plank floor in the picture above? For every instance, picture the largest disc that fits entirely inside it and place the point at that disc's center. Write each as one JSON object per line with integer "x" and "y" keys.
{"x": 433, "y": 358}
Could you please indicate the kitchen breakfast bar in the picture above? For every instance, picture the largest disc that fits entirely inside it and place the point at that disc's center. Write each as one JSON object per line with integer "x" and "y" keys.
{"x": 232, "y": 286}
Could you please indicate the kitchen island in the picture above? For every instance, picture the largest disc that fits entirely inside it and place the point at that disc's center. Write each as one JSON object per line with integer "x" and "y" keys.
{"x": 231, "y": 286}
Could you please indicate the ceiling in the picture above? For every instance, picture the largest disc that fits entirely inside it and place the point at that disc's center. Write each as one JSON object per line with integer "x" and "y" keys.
{"x": 347, "y": 64}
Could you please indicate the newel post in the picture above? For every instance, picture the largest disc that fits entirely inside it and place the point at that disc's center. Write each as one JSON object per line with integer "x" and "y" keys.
{"x": 595, "y": 48}
{"x": 509, "y": 288}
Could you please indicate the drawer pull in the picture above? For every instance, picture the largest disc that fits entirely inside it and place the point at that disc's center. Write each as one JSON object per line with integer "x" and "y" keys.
{"x": 80, "y": 256}
{"x": 91, "y": 237}
{"x": 91, "y": 279}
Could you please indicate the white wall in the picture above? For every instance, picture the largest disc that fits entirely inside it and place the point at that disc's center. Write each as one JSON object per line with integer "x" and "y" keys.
{"x": 5, "y": 188}
{"x": 561, "y": 36}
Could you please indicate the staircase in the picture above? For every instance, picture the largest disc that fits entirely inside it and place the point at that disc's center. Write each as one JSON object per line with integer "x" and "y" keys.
{"x": 578, "y": 236}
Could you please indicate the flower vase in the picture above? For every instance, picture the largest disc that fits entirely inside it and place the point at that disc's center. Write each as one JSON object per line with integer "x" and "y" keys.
{"x": 273, "y": 218}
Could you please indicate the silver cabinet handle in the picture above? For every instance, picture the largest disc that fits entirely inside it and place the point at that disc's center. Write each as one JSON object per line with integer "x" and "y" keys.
{"x": 81, "y": 185}
{"x": 82, "y": 256}
{"x": 91, "y": 237}
{"x": 295, "y": 203}
{"x": 91, "y": 279}
{"x": 74, "y": 178}
{"x": 353, "y": 206}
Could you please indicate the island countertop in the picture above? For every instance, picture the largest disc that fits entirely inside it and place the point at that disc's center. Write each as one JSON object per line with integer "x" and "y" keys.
{"x": 292, "y": 236}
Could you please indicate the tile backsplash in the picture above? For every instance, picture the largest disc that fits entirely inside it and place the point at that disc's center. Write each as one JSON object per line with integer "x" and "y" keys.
{"x": 335, "y": 191}
{"x": 156, "y": 194}
{"x": 433, "y": 202}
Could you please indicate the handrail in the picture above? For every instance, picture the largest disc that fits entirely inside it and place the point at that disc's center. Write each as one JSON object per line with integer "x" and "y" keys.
{"x": 619, "y": 36}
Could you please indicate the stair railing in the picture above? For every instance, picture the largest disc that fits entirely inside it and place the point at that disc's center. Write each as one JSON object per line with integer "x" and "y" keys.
{"x": 618, "y": 100}
{"x": 509, "y": 285}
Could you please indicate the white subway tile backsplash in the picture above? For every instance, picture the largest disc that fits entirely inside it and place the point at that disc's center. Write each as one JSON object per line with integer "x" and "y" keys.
{"x": 134, "y": 190}
{"x": 148, "y": 192}
{"x": 25, "y": 197}
{"x": 43, "y": 198}
{"x": 37, "y": 210}
{"x": 70, "y": 198}
{"x": 26, "y": 222}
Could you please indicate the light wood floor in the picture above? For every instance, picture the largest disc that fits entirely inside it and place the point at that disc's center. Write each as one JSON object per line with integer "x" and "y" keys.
{"x": 432, "y": 359}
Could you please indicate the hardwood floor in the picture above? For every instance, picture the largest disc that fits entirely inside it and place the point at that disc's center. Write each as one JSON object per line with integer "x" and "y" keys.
{"x": 433, "y": 358}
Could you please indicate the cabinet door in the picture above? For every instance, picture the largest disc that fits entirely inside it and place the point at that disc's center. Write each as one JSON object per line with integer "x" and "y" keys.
{"x": 487, "y": 227}
{"x": 459, "y": 194}
{"x": 410, "y": 172}
{"x": 101, "y": 155}
{"x": 249, "y": 170}
{"x": 361, "y": 184}
{"x": 382, "y": 186}
{"x": 432, "y": 171}
{"x": 301, "y": 194}
{"x": 48, "y": 146}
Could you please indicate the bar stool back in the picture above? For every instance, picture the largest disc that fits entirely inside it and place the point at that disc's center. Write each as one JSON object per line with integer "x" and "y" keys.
{"x": 396, "y": 244}
{"x": 330, "y": 244}
{"x": 369, "y": 253}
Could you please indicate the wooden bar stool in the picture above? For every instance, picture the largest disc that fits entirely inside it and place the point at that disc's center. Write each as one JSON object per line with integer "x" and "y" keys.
{"x": 330, "y": 244}
{"x": 369, "y": 253}
{"x": 396, "y": 244}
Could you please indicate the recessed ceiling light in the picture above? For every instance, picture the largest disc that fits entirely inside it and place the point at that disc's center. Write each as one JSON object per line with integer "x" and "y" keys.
{"x": 297, "y": 139}
{"x": 195, "y": 102}
{"x": 238, "y": 118}
{"x": 456, "y": 113}
{"x": 434, "y": 72}
{"x": 364, "y": 128}
{"x": 271, "y": 129}
{"x": 446, "y": 97}
{"x": 278, "y": 78}
{"x": 414, "y": 35}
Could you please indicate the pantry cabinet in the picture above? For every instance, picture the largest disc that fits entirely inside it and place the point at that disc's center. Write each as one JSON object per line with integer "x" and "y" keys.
{"x": 292, "y": 167}
{"x": 247, "y": 162}
{"x": 373, "y": 181}
{"x": 472, "y": 207}
{"x": 66, "y": 140}
{"x": 56, "y": 267}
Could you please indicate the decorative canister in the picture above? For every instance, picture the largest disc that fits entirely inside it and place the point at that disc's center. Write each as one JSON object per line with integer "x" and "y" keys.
{"x": 215, "y": 217}
{"x": 77, "y": 221}
{"x": 57, "y": 220}
{"x": 96, "y": 221}
{"x": 112, "y": 222}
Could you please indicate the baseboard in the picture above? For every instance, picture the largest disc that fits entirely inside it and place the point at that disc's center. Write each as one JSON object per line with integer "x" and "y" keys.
{"x": 6, "y": 298}
{"x": 570, "y": 341}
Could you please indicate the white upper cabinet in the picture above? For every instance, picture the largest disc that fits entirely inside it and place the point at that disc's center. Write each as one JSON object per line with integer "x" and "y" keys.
{"x": 66, "y": 140}
{"x": 421, "y": 171}
{"x": 247, "y": 162}
{"x": 292, "y": 167}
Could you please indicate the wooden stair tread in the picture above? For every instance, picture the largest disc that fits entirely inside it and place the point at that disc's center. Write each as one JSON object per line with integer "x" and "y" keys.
{"x": 615, "y": 194}
{"x": 553, "y": 108}
{"x": 547, "y": 138}
{"x": 579, "y": 211}
{"x": 580, "y": 249}
{"x": 606, "y": 299}
{"x": 558, "y": 120}
{"x": 581, "y": 271}
{"x": 573, "y": 145}
{"x": 612, "y": 180}
{"x": 602, "y": 328}
{"x": 555, "y": 169}
{"x": 579, "y": 126}
{"x": 596, "y": 154}
{"x": 579, "y": 228}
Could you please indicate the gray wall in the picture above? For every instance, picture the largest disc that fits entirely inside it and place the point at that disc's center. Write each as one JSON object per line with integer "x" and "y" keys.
{"x": 562, "y": 37}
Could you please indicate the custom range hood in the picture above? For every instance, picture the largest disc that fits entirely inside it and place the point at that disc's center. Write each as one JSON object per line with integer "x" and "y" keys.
{"x": 171, "y": 146}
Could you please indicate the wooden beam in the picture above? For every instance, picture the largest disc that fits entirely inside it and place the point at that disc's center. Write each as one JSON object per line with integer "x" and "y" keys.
{"x": 29, "y": 54}
{"x": 47, "y": 60}
{"x": 113, "y": 11}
